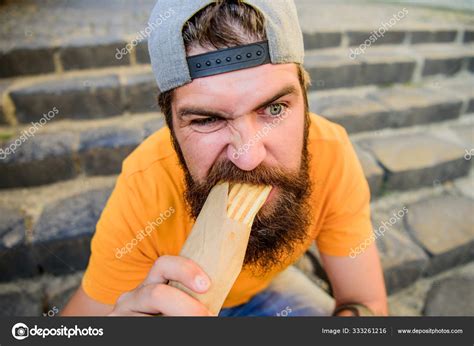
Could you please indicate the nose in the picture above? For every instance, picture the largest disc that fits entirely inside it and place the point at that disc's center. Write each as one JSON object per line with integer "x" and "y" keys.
{"x": 247, "y": 149}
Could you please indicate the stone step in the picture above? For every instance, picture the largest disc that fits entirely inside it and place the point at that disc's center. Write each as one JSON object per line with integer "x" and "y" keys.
{"x": 66, "y": 54}
{"x": 423, "y": 232}
{"x": 44, "y": 295}
{"x": 39, "y": 38}
{"x": 407, "y": 36}
{"x": 419, "y": 156}
{"x": 437, "y": 295}
{"x": 108, "y": 92}
{"x": 406, "y": 259}
{"x": 71, "y": 148}
{"x": 344, "y": 68}
{"x": 444, "y": 228}
{"x": 48, "y": 229}
{"x": 83, "y": 95}
{"x": 371, "y": 109}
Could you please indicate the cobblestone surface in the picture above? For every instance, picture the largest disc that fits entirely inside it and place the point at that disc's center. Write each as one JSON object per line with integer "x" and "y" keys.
{"x": 33, "y": 21}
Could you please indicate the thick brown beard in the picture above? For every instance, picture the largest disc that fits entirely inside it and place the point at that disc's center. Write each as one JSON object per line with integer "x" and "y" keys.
{"x": 278, "y": 228}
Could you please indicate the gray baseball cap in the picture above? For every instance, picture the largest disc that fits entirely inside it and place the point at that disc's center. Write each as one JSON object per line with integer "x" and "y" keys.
{"x": 172, "y": 68}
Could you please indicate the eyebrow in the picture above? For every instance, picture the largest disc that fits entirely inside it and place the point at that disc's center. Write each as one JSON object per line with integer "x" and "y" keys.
{"x": 285, "y": 91}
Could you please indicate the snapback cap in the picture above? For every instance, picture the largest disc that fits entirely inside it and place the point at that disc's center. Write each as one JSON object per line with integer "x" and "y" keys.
{"x": 172, "y": 68}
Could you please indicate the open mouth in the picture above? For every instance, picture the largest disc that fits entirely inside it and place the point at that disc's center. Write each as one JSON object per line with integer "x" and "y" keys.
{"x": 271, "y": 196}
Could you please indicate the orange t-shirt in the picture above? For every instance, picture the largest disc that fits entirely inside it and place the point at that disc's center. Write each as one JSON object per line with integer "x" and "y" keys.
{"x": 145, "y": 216}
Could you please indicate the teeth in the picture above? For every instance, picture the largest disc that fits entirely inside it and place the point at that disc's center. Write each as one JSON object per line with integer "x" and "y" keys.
{"x": 245, "y": 201}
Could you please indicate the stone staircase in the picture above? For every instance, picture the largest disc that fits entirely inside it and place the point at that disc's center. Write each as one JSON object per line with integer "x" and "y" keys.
{"x": 407, "y": 103}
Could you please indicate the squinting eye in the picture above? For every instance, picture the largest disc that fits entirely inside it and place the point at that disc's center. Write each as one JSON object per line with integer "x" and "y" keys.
{"x": 275, "y": 109}
{"x": 204, "y": 122}
{"x": 207, "y": 124}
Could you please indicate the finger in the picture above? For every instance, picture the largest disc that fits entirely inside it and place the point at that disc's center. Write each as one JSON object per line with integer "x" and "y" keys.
{"x": 179, "y": 269}
{"x": 160, "y": 298}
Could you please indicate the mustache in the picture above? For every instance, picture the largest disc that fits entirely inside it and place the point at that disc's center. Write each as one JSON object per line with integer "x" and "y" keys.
{"x": 225, "y": 170}
{"x": 293, "y": 183}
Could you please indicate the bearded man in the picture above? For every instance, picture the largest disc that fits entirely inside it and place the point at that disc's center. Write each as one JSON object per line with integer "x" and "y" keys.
{"x": 233, "y": 91}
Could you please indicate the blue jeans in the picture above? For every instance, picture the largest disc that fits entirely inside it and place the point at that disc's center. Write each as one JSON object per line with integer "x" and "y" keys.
{"x": 291, "y": 293}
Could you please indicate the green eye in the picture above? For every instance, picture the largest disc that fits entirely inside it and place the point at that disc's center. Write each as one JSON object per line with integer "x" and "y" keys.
{"x": 275, "y": 109}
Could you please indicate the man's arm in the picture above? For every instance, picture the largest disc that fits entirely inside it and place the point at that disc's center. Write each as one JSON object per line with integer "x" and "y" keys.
{"x": 82, "y": 305}
{"x": 358, "y": 280}
{"x": 153, "y": 295}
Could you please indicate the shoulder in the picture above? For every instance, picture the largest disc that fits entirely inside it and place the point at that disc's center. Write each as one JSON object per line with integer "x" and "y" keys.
{"x": 333, "y": 158}
{"x": 154, "y": 151}
{"x": 323, "y": 130}
{"x": 153, "y": 169}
